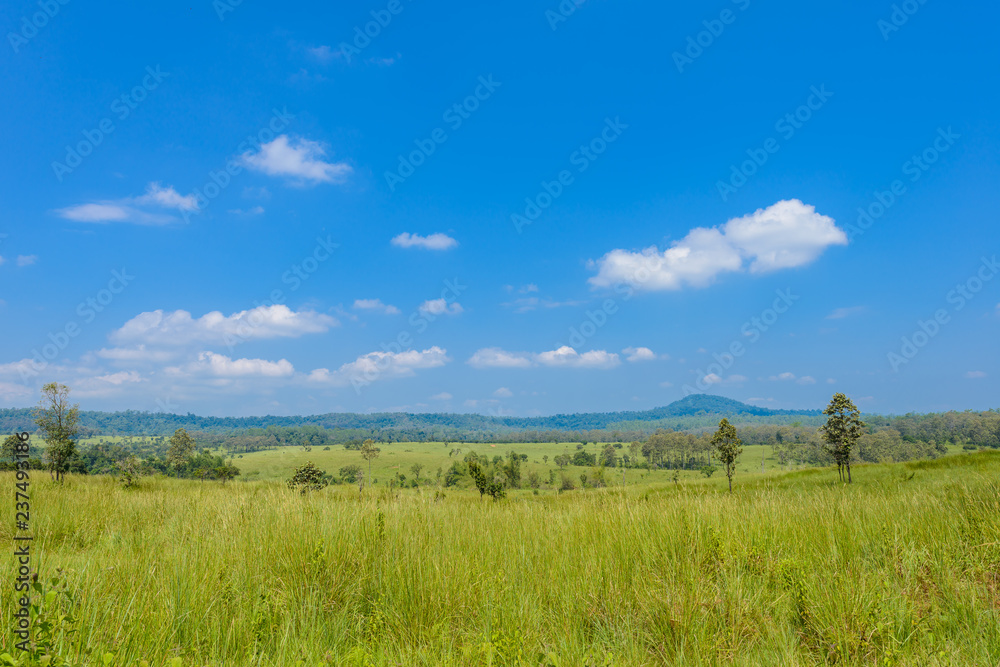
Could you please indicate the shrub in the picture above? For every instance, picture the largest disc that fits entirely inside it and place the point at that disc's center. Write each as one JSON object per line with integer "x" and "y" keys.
{"x": 308, "y": 477}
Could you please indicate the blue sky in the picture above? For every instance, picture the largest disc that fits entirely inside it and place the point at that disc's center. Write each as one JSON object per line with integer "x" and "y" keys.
{"x": 516, "y": 208}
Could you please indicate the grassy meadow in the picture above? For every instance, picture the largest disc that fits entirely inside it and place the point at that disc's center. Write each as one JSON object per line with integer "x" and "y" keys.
{"x": 900, "y": 568}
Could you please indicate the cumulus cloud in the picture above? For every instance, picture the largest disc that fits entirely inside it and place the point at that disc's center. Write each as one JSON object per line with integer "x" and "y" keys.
{"x": 786, "y": 235}
{"x": 433, "y": 242}
{"x": 376, "y": 305}
{"x": 134, "y": 209}
{"x": 636, "y": 354}
{"x": 298, "y": 159}
{"x": 219, "y": 365}
{"x": 565, "y": 356}
{"x": 440, "y": 307}
{"x": 26, "y": 260}
{"x": 443, "y": 396}
{"x": 180, "y": 328}
{"x": 377, "y": 365}
{"x": 503, "y": 392}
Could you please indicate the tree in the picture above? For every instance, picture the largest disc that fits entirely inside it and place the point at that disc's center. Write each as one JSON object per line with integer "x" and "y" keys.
{"x": 129, "y": 472}
{"x": 841, "y": 432}
{"x": 349, "y": 473}
{"x": 226, "y": 472}
{"x": 308, "y": 477}
{"x": 10, "y": 448}
{"x": 415, "y": 469}
{"x": 181, "y": 446}
{"x": 58, "y": 422}
{"x": 728, "y": 447}
{"x": 369, "y": 452}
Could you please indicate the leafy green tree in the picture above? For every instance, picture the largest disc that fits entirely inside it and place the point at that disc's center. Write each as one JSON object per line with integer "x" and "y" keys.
{"x": 226, "y": 472}
{"x": 841, "y": 432}
{"x": 416, "y": 468}
{"x": 181, "y": 447}
{"x": 349, "y": 473}
{"x": 609, "y": 457}
{"x": 728, "y": 447}
{"x": 708, "y": 470}
{"x": 129, "y": 472}
{"x": 58, "y": 422}
{"x": 307, "y": 478}
{"x": 9, "y": 448}
{"x": 369, "y": 452}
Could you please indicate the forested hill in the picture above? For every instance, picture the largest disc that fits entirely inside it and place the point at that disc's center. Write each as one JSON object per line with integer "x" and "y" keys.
{"x": 695, "y": 411}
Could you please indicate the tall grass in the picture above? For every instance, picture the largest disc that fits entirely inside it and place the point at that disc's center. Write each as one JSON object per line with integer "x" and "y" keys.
{"x": 902, "y": 567}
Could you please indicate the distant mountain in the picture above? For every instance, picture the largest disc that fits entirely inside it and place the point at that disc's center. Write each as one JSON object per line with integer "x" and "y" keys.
{"x": 695, "y": 411}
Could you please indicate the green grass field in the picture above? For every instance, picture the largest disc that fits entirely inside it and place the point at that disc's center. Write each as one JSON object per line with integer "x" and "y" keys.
{"x": 900, "y": 568}
{"x": 278, "y": 464}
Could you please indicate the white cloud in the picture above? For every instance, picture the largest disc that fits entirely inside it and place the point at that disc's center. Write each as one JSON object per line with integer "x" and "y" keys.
{"x": 299, "y": 159}
{"x": 786, "y": 235}
{"x": 219, "y": 365}
{"x": 167, "y": 197}
{"x": 121, "y": 377}
{"x": 503, "y": 392}
{"x": 841, "y": 313}
{"x": 376, "y": 305}
{"x": 125, "y": 210}
{"x": 139, "y": 353}
{"x": 565, "y": 357}
{"x": 26, "y": 260}
{"x": 636, "y": 354}
{"x": 179, "y": 328}
{"x": 10, "y": 391}
{"x": 376, "y": 365}
{"x": 791, "y": 377}
{"x": 256, "y": 210}
{"x": 323, "y": 53}
{"x": 494, "y": 357}
{"x": 433, "y": 242}
{"x": 443, "y": 396}
{"x": 975, "y": 375}
{"x": 440, "y": 307}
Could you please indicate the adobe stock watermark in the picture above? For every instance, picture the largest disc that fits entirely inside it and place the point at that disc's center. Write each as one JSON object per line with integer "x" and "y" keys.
{"x": 223, "y": 7}
{"x": 581, "y": 158}
{"x": 900, "y": 16}
{"x": 363, "y": 35}
{"x": 31, "y": 24}
{"x": 699, "y": 43}
{"x": 562, "y": 12}
{"x": 753, "y": 329}
{"x": 297, "y": 274}
{"x": 454, "y": 116}
{"x": 958, "y": 297}
{"x": 915, "y": 168}
{"x": 786, "y": 126}
{"x": 86, "y": 311}
{"x": 419, "y": 321}
{"x": 121, "y": 107}
{"x": 219, "y": 180}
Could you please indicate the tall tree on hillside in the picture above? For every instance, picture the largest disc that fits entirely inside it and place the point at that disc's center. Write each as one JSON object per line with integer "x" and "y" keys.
{"x": 181, "y": 446}
{"x": 841, "y": 432}
{"x": 369, "y": 452}
{"x": 57, "y": 421}
{"x": 729, "y": 447}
